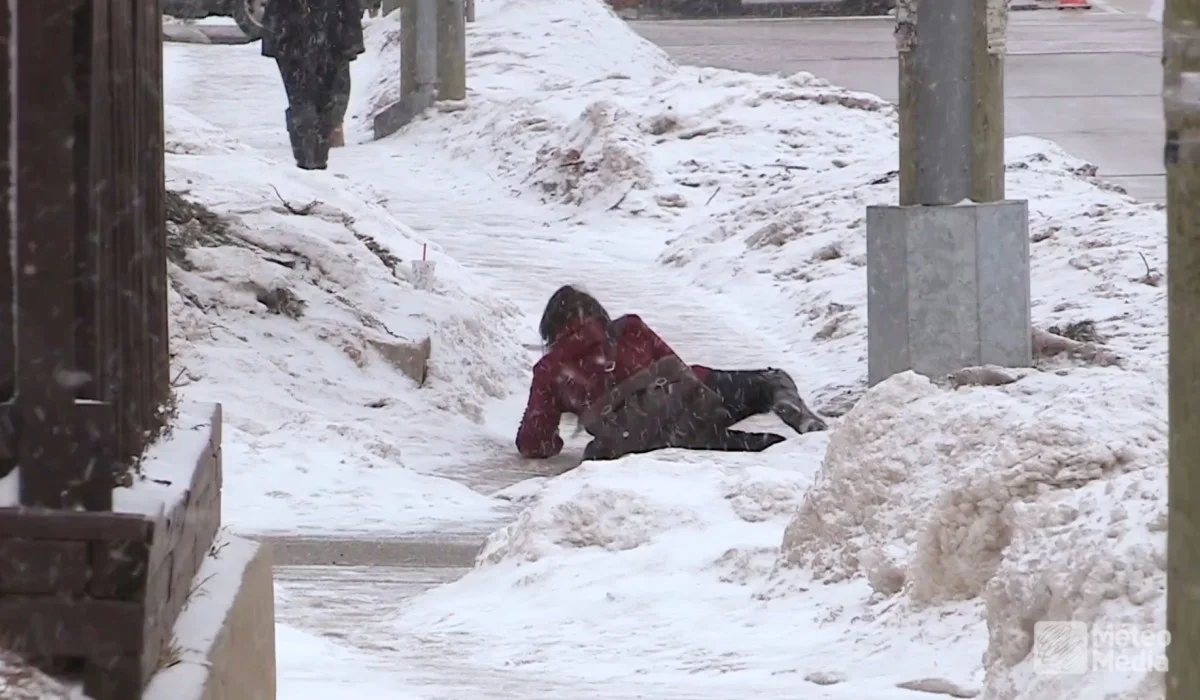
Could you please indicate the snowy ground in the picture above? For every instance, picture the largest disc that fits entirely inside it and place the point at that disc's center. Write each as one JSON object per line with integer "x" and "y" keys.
{"x": 919, "y": 540}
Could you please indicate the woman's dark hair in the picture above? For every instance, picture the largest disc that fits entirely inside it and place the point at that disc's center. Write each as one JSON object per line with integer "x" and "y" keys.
{"x": 566, "y": 305}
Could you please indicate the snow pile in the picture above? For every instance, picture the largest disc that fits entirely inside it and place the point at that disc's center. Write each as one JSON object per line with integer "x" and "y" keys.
{"x": 802, "y": 242}
{"x": 1044, "y": 498}
{"x": 574, "y": 107}
{"x": 932, "y": 511}
{"x": 595, "y": 506}
{"x": 294, "y": 304}
{"x": 21, "y": 682}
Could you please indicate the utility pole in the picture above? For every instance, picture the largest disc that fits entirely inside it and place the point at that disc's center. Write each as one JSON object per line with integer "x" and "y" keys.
{"x": 951, "y": 100}
{"x": 1181, "y": 109}
{"x": 948, "y": 285}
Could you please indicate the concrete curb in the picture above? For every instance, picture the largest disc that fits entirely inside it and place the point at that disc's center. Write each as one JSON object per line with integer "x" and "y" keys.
{"x": 765, "y": 8}
{"x": 224, "y": 642}
{"x": 434, "y": 551}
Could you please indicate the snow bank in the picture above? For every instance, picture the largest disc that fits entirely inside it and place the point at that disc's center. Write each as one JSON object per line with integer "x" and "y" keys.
{"x": 568, "y": 103}
{"x": 292, "y": 304}
{"x": 21, "y": 682}
{"x": 801, "y": 242}
{"x": 594, "y": 506}
{"x": 1044, "y": 498}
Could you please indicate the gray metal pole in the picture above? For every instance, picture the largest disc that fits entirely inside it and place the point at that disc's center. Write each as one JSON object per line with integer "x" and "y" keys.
{"x": 940, "y": 83}
{"x": 452, "y": 50}
{"x": 948, "y": 285}
{"x": 1181, "y": 109}
{"x": 427, "y": 37}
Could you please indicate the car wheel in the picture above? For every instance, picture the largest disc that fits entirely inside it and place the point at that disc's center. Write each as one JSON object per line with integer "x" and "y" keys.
{"x": 249, "y": 16}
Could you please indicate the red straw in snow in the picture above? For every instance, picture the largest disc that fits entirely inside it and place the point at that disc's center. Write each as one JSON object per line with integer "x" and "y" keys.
{"x": 423, "y": 246}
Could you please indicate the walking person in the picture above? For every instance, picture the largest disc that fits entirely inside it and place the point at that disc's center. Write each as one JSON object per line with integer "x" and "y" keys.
{"x": 633, "y": 394}
{"x": 313, "y": 43}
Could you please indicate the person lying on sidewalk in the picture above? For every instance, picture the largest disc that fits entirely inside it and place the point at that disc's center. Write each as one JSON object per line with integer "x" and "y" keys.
{"x": 633, "y": 394}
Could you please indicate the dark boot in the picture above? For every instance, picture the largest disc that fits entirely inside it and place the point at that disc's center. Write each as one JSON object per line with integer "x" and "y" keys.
{"x": 739, "y": 441}
{"x": 308, "y": 140}
{"x": 321, "y": 144}
{"x": 787, "y": 404}
{"x": 294, "y": 136}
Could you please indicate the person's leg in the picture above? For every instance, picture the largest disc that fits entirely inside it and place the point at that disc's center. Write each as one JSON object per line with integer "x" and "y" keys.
{"x": 291, "y": 74}
{"x": 744, "y": 393}
{"x": 787, "y": 404}
{"x": 303, "y": 89}
{"x": 725, "y": 440}
{"x": 716, "y": 439}
{"x": 340, "y": 103}
{"x": 754, "y": 392}
{"x": 334, "y": 97}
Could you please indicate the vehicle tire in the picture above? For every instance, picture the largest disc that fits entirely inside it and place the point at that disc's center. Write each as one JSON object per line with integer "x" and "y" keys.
{"x": 248, "y": 14}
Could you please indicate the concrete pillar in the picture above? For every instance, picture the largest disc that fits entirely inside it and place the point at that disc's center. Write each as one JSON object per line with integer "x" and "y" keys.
{"x": 947, "y": 288}
{"x": 451, "y": 50}
{"x": 408, "y": 46}
{"x": 418, "y": 66}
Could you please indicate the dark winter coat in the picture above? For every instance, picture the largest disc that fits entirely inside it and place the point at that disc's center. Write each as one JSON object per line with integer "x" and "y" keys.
{"x": 317, "y": 28}
{"x": 576, "y": 375}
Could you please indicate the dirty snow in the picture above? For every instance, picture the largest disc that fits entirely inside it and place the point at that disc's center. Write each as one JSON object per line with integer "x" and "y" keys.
{"x": 911, "y": 548}
{"x": 21, "y": 682}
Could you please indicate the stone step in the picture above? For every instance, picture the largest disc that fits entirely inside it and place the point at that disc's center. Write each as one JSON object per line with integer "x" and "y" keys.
{"x": 414, "y": 551}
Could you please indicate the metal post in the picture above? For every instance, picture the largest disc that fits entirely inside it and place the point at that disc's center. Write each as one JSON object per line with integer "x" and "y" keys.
{"x": 408, "y": 48}
{"x": 990, "y": 30}
{"x": 427, "y": 59}
{"x": 951, "y": 100}
{"x": 937, "y": 81}
{"x": 418, "y": 66}
{"x": 948, "y": 285}
{"x": 452, "y": 50}
{"x": 1181, "y": 108}
{"x": 469, "y": 10}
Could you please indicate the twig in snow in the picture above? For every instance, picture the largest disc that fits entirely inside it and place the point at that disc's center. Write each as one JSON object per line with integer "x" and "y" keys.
{"x": 622, "y": 199}
{"x": 1152, "y": 277}
{"x": 569, "y": 163}
{"x": 292, "y": 209}
{"x": 177, "y": 377}
{"x": 712, "y": 196}
{"x": 533, "y": 172}
{"x": 788, "y": 166}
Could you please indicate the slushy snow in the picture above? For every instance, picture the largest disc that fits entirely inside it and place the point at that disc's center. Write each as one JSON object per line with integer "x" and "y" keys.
{"x": 911, "y": 548}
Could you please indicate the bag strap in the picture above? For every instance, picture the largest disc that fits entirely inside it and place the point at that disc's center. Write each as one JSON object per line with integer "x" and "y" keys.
{"x": 612, "y": 338}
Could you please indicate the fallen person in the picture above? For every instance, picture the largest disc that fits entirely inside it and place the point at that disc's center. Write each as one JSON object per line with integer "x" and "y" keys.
{"x": 633, "y": 394}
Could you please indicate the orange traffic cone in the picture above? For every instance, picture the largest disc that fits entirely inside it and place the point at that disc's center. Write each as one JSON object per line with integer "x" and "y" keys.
{"x": 1074, "y": 5}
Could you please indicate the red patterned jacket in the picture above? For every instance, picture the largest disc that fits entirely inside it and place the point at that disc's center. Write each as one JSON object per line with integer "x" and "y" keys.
{"x": 571, "y": 376}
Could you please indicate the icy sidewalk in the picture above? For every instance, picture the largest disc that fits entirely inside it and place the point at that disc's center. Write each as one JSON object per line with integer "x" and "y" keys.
{"x": 524, "y": 250}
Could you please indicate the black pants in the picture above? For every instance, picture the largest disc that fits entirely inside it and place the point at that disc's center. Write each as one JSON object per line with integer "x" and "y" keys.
{"x": 318, "y": 93}
{"x": 753, "y": 392}
{"x": 743, "y": 393}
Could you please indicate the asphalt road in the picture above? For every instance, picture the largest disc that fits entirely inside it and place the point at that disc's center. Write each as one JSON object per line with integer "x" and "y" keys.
{"x": 1089, "y": 80}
